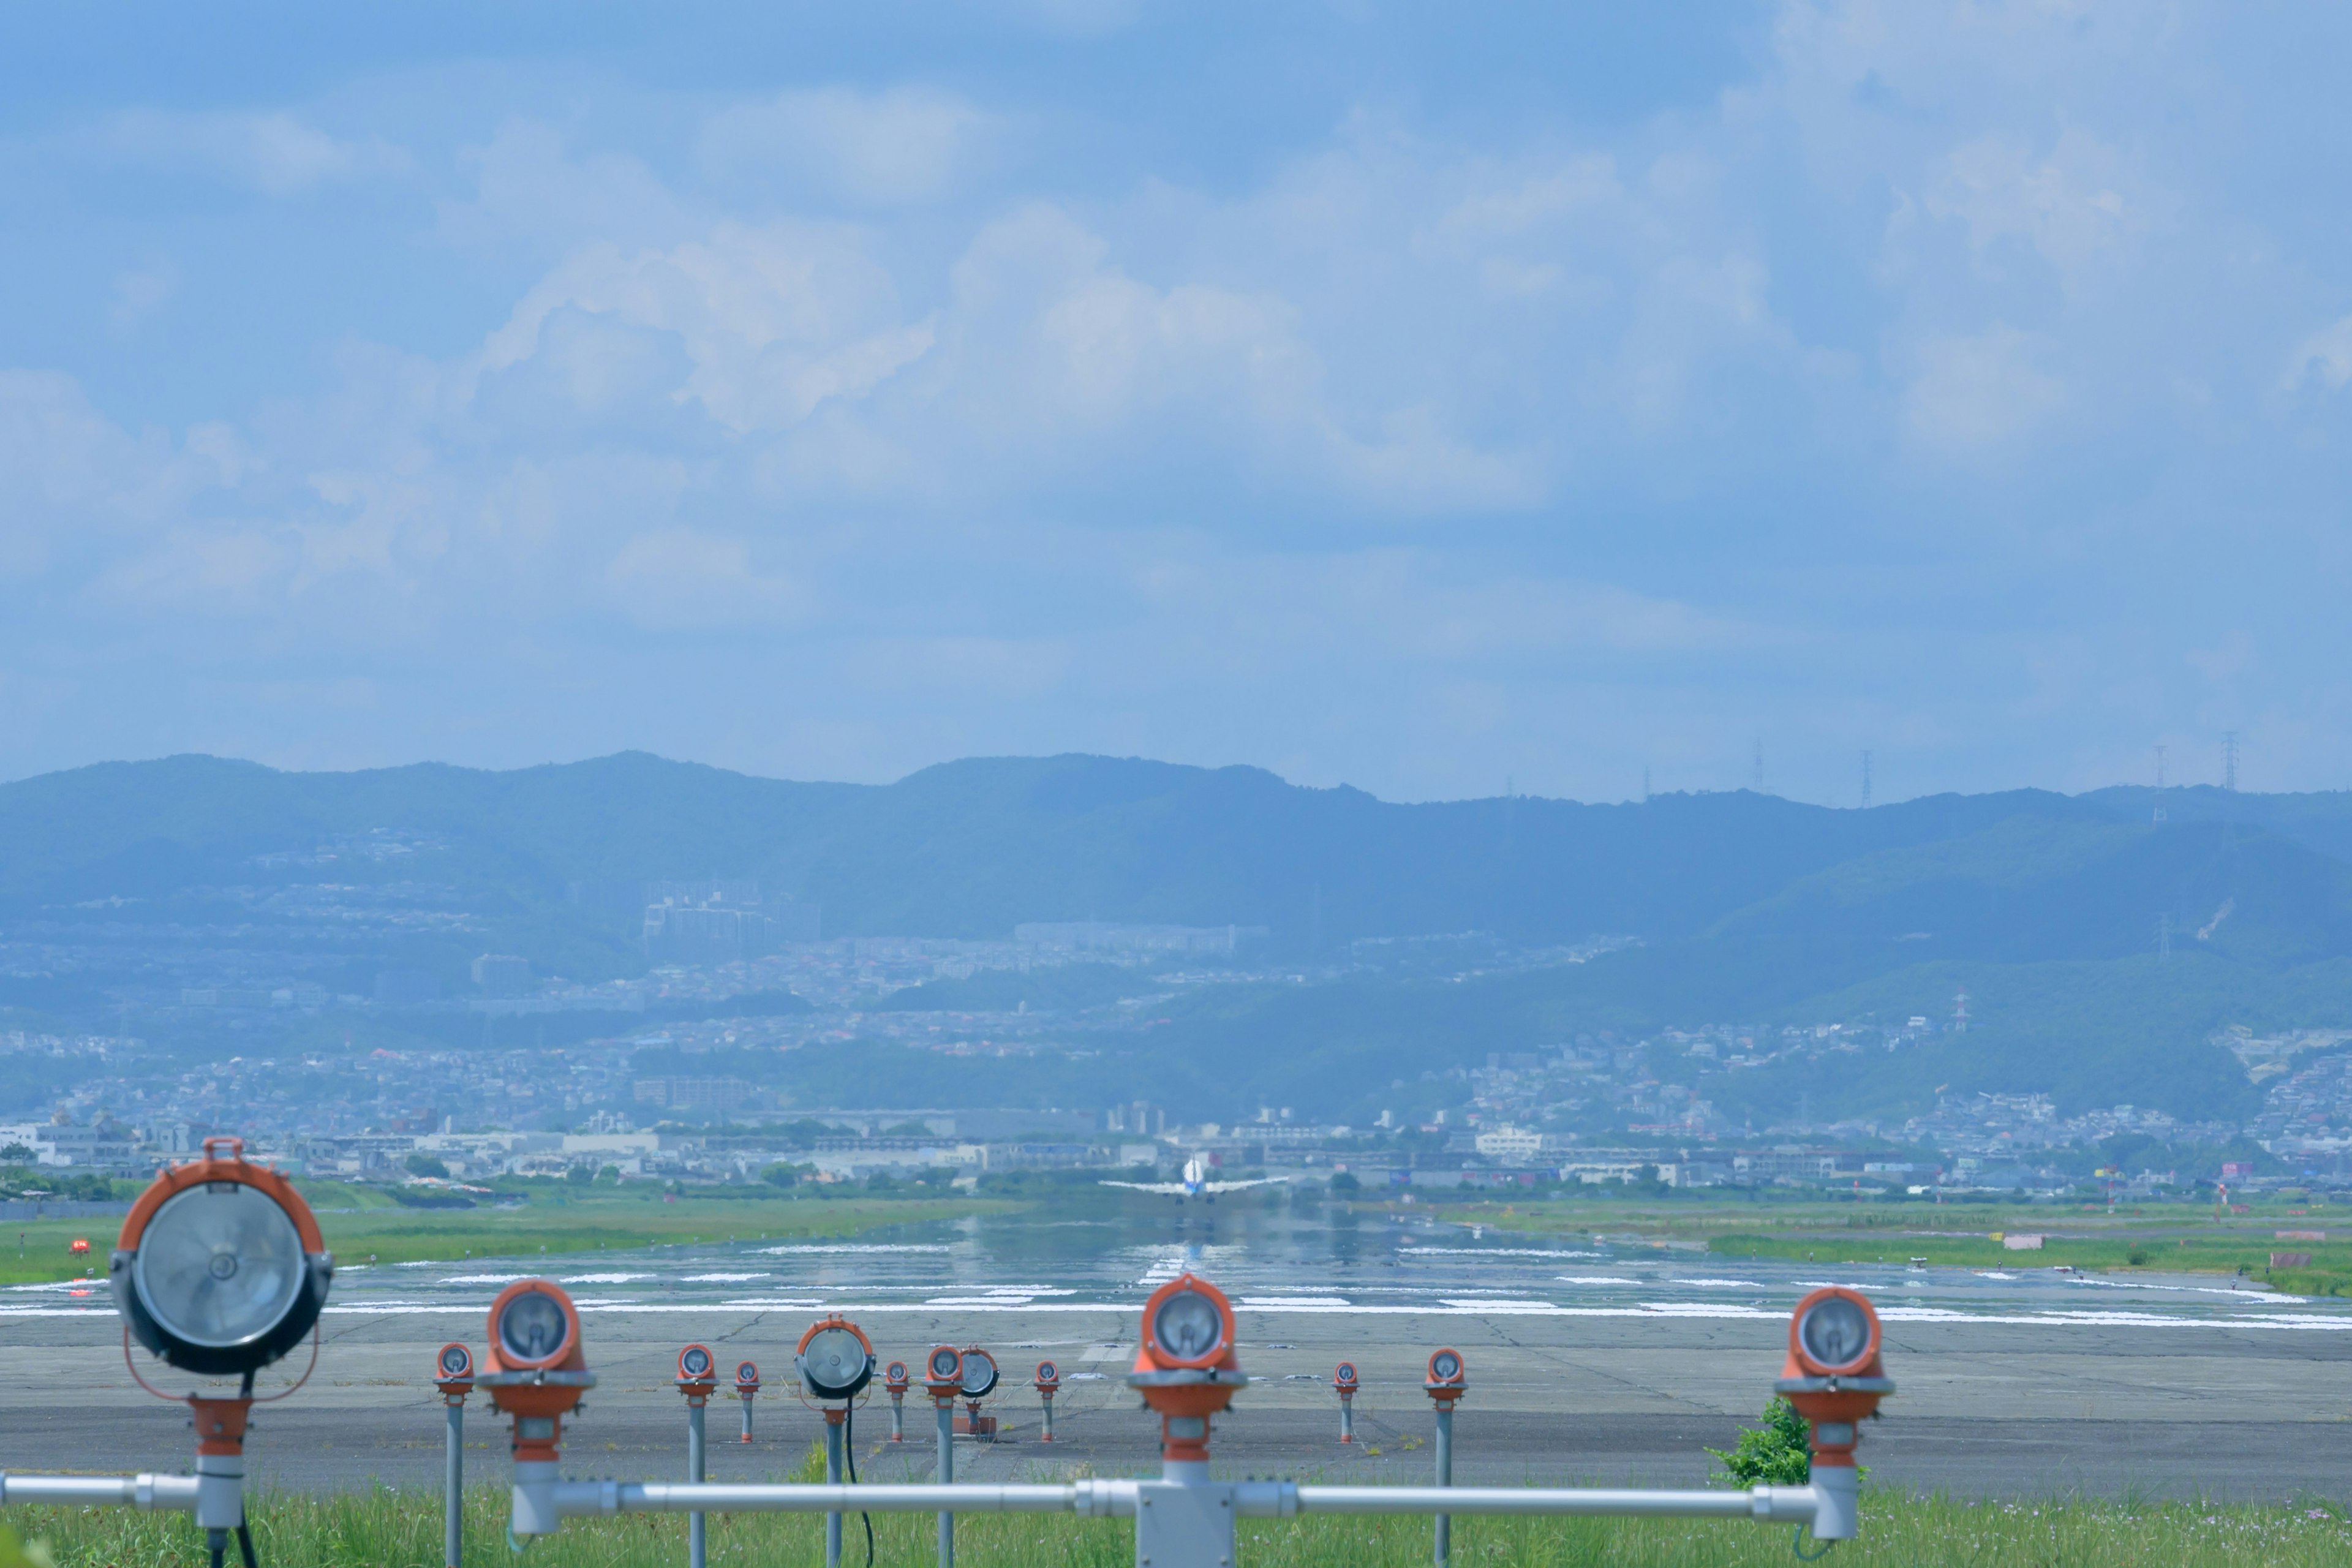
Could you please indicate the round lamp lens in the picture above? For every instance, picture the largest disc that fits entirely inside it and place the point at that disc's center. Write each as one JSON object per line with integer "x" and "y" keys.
{"x": 219, "y": 1264}
{"x": 1188, "y": 1326}
{"x": 533, "y": 1327}
{"x": 1049, "y": 1373}
{"x": 1347, "y": 1373}
{"x": 837, "y": 1363}
{"x": 896, "y": 1372}
{"x": 979, "y": 1373}
{"x": 1447, "y": 1366}
{"x": 1834, "y": 1333}
{"x": 695, "y": 1363}
{"x": 945, "y": 1365}
{"x": 747, "y": 1373}
{"x": 456, "y": 1361}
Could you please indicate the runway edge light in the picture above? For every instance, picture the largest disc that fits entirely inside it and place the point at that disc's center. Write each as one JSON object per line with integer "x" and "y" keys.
{"x": 1836, "y": 1378}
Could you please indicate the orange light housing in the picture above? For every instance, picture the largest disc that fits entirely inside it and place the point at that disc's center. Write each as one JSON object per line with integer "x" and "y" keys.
{"x": 1834, "y": 1376}
{"x": 1448, "y": 1379}
{"x": 537, "y": 1374}
{"x": 1047, "y": 1377}
{"x": 943, "y": 1372}
{"x": 747, "y": 1378}
{"x": 1186, "y": 1370}
{"x": 1343, "y": 1377}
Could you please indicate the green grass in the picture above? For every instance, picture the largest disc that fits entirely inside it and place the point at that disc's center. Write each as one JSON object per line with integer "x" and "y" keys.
{"x": 385, "y": 1529}
{"x": 2169, "y": 1238}
{"x": 567, "y": 1222}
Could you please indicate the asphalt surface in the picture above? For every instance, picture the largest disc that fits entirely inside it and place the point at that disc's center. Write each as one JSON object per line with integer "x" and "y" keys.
{"x": 1984, "y": 1408}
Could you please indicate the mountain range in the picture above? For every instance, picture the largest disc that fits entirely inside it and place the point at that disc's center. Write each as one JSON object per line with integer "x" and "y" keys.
{"x": 2103, "y": 938}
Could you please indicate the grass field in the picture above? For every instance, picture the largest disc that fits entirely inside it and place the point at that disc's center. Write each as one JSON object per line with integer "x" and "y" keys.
{"x": 563, "y": 1222}
{"x": 2168, "y": 1238}
{"x": 389, "y": 1530}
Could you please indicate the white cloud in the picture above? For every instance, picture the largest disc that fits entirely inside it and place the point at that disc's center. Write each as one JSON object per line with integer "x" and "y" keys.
{"x": 901, "y": 147}
{"x": 531, "y": 191}
{"x": 775, "y": 321}
{"x": 1973, "y": 392}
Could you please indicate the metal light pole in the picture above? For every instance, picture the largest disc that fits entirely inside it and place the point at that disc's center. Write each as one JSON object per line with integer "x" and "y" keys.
{"x": 456, "y": 1366}
{"x": 697, "y": 1376}
{"x": 943, "y": 1381}
{"x": 834, "y": 1417}
{"x": 1447, "y": 1383}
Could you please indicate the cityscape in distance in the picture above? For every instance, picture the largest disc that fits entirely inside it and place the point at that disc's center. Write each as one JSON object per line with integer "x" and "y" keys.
{"x": 630, "y": 969}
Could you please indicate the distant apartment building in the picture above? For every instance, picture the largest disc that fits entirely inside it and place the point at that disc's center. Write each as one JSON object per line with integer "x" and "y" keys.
{"x": 699, "y": 1094}
{"x": 720, "y": 921}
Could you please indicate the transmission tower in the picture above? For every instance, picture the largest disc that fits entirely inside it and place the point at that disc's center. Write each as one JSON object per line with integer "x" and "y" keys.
{"x": 2230, "y": 761}
{"x": 1865, "y": 780}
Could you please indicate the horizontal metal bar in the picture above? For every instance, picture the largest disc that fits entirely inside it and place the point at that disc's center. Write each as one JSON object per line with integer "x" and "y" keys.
{"x": 176, "y": 1493}
{"x": 1782, "y": 1505}
{"x": 575, "y": 1498}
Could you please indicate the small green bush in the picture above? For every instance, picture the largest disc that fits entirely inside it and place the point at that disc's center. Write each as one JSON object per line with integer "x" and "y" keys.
{"x": 1774, "y": 1453}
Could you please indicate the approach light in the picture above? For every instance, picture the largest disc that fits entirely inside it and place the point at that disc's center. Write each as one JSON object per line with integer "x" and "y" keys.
{"x": 746, "y": 1377}
{"x": 534, "y": 1324}
{"x": 1187, "y": 1324}
{"x": 1186, "y": 1371}
{"x": 835, "y": 1359}
{"x": 1445, "y": 1372}
{"x": 695, "y": 1363}
{"x": 894, "y": 1377}
{"x": 979, "y": 1373}
{"x": 1836, "y": 1334}
{"x": 1834, "y": 1378}
{"x": 1047, "y": 1376}
{"x": 220, "y": 1268}
{"x": 943, "y": 1372}
{"x": 1343, "y": 1377}
{"x": 455, "y": 1363}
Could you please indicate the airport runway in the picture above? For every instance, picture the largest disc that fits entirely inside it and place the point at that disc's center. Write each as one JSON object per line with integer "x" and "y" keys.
{"x": 1992, "y": 1409}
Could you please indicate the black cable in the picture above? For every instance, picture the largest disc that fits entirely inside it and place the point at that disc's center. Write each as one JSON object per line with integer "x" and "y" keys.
{"x": 244, "y": 1545}
{"x": 217, "y": 1541}
{"x": 849, "y": 1447}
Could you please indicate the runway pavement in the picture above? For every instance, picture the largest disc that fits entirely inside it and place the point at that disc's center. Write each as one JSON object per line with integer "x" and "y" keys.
{"x": 2186, "y": 1408}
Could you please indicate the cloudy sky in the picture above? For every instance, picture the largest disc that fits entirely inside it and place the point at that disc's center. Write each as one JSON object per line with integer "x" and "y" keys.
{"x": 1420, "y": 397}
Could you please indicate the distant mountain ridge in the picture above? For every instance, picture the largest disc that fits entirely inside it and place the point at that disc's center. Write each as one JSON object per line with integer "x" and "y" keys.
{"x": 1746, "y": 906}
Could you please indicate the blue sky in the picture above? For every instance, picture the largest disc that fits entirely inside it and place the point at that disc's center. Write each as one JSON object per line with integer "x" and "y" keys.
{"x": 1411, "y": 396}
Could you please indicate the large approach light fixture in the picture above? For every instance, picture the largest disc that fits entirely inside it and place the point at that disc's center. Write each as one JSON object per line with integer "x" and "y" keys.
{"x": 977, "y": 1373}
{"x": 220, "y": 1269}
{"x": 835, "y": 1359}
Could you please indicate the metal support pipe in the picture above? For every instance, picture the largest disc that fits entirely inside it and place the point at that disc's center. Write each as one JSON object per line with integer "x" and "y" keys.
{"x": 1444, "y": 1524}
{"x": 946, "y": 1476}
{"x": 1347, "y": 1419}
{"x": 453, "y": 1485}
{"x": 586, "y": 1497}
{"x": 697, "y": 1545}
{"x": 898, "y": 1417}
{"x": 1768, "y": 1505}
{"x": 148, "y": 1493}
{"x": 1117, "y": 1500}
{"x": 747, "y": 1418}
{"x": 832, "y": 1478}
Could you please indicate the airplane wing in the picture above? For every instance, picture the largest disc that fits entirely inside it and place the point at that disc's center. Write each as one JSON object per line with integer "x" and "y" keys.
{"x": 1237, "y": 1187}
{"x": 1147, "y": 1186}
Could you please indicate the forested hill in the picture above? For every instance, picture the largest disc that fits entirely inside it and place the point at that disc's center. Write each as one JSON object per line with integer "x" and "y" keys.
{"x": 971, "y": 848}
{"x": 2049, "y": 908}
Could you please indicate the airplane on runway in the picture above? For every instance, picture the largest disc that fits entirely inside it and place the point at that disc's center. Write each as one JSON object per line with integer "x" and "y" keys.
{"x": 1195, "y": 1183}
